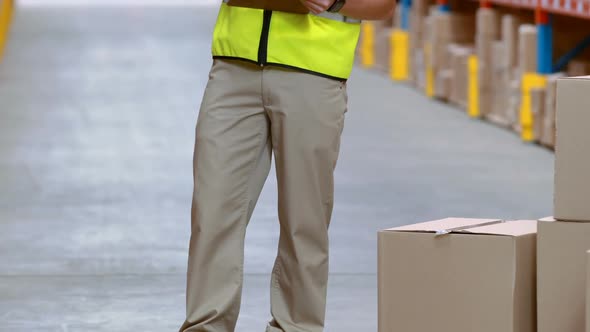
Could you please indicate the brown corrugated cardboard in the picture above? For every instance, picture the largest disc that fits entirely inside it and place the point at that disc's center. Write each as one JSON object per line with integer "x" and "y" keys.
{"x": 578, "y": 68}
{"x": 447, "y": 29}
{"x": 538, "y": 108}
{"x": 572, "y": 160}
{"x": 488, "y": 22}
{"x": 418, "y": 69}
{"x": 459, "y": 55}
{"x": 514, "y": 101}
{"x": 527, "y": 48}
{"x": 561, "y": 277}
{"x": 480, "y": 276}
{"x": 383, "y": 50}
{"x": 499, "y": 81}
{"x": 289, "y": 6}
{"x": 548, "y": 135}
{"x": 510, "y": 24}
{"x": 488, "y": 31}
{"x": 444, "y": 81}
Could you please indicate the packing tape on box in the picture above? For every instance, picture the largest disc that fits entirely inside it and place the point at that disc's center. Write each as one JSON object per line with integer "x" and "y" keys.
{"x": 368, "y": 44}
{"x": 473, "y": 87}
{"x": 529, "y": 81}
{"x": 400, "y": 53}
{"x": 463, "y": 228}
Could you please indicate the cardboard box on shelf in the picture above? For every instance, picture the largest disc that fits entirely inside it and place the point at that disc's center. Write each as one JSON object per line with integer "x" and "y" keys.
{"x": 459, "y": 55}
{"x": 289, "y": 6}
{"x": 444, "y": 81}
{"x": 510, "y": 24}
{"x": 499, "y": 85}
{"x": 488, "y": 22}
{"x": 561, "y": 275}
{"x": 514, "y": 101}
{"x": 487, "y": 32}
{"x": 572, "y": 160}
{"x": 447, "y": 29}
{"x": 548, "y": 135}
{"x": 486, "y": 268}
{"x": 538, "y": 108}
{"x": 421, "y": 7}
{"x": 527, "y": 48}
{"x": 383, "y": 49}
{"x": 578, "y": 68}
{"x": 418, "y": 73}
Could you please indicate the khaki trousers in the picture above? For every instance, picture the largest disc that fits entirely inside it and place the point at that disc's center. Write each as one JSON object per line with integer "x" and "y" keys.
{"x": 248, "y": 113}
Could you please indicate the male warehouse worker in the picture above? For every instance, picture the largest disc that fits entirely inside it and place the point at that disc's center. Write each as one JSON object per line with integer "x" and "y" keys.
{"x": 277, "y": 85}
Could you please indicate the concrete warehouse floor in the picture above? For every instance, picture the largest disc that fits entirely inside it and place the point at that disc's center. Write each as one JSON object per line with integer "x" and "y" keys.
{"x": 97, "y": 116}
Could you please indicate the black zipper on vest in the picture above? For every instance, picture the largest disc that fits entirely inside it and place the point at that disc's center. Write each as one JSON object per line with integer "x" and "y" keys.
{"x": 263, "y": 46}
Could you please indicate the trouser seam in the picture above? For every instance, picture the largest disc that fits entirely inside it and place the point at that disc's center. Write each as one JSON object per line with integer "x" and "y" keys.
{"x": 246, "y": 199}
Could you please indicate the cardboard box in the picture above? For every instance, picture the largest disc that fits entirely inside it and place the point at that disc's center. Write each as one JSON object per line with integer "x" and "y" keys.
{"x": 289, "y": 6}
{"x": 444, "y": 81}
{"x": 383, "y": 50}
{"x": 578, "y": 68}
{"x": 459, "y": 55}
{"x": 561, "y": 276}
{"x": 499, "y": 86}
{"x": 458, "y": 275}
{"x": 572, "y": 160}
{"x": 418, "y": 69}
{"x": 527, "y": 48}
{"x": 510, "y": 24}
{"x": 514, "y": 101}
{"x": 448, "y": 29}
{"x": 538, "y": 108}
{"x": 548, "y": 136}
{"x": 488, "y": 22}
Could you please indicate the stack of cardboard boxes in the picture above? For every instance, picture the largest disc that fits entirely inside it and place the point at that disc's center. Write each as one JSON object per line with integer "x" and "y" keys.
{"x": 458, "y": 275}
{"x": 487, "y": 33}
{"x": 383, "y": 30}
{"x": 564, "y": 241}
{"x": 506, "y": 81}
{"x": 458, "y": 58}
{"x": 464, "y": 275}
{"x": 447, "y": 29}
{"x": 440, "y": 63}
{"x": 418, "y": 30}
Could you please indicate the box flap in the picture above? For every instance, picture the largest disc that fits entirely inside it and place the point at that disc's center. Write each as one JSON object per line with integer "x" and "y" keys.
{"x": 444, "y": 224}
{"x": 472, "y": 226}
{"x": 585, "y": 78}
{"x": 510, "y": 228}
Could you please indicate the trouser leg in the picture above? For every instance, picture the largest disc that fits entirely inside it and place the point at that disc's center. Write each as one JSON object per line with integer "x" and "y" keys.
{"x": 307, "y": 116}
{"x": 231, "y": 162}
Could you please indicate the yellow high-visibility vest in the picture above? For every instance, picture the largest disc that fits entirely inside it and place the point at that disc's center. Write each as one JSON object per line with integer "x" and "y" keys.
{"x": 320, "y": 44}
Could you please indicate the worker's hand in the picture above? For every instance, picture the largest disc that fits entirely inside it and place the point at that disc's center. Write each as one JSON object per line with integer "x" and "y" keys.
{"x": 317, "y": 6}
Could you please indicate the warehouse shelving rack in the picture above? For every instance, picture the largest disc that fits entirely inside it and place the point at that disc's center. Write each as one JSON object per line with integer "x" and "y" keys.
{"x": 544, "y": 10}
{"x": 577, "y": 8}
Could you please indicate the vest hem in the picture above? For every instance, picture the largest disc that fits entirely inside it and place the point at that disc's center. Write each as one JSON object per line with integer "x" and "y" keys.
{"x": 307, "y": 71}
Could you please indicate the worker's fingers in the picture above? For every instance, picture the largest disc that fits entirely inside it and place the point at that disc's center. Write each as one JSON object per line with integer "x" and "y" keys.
{"x": 323, "y": 4}
{"x": 313, "y": 7}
